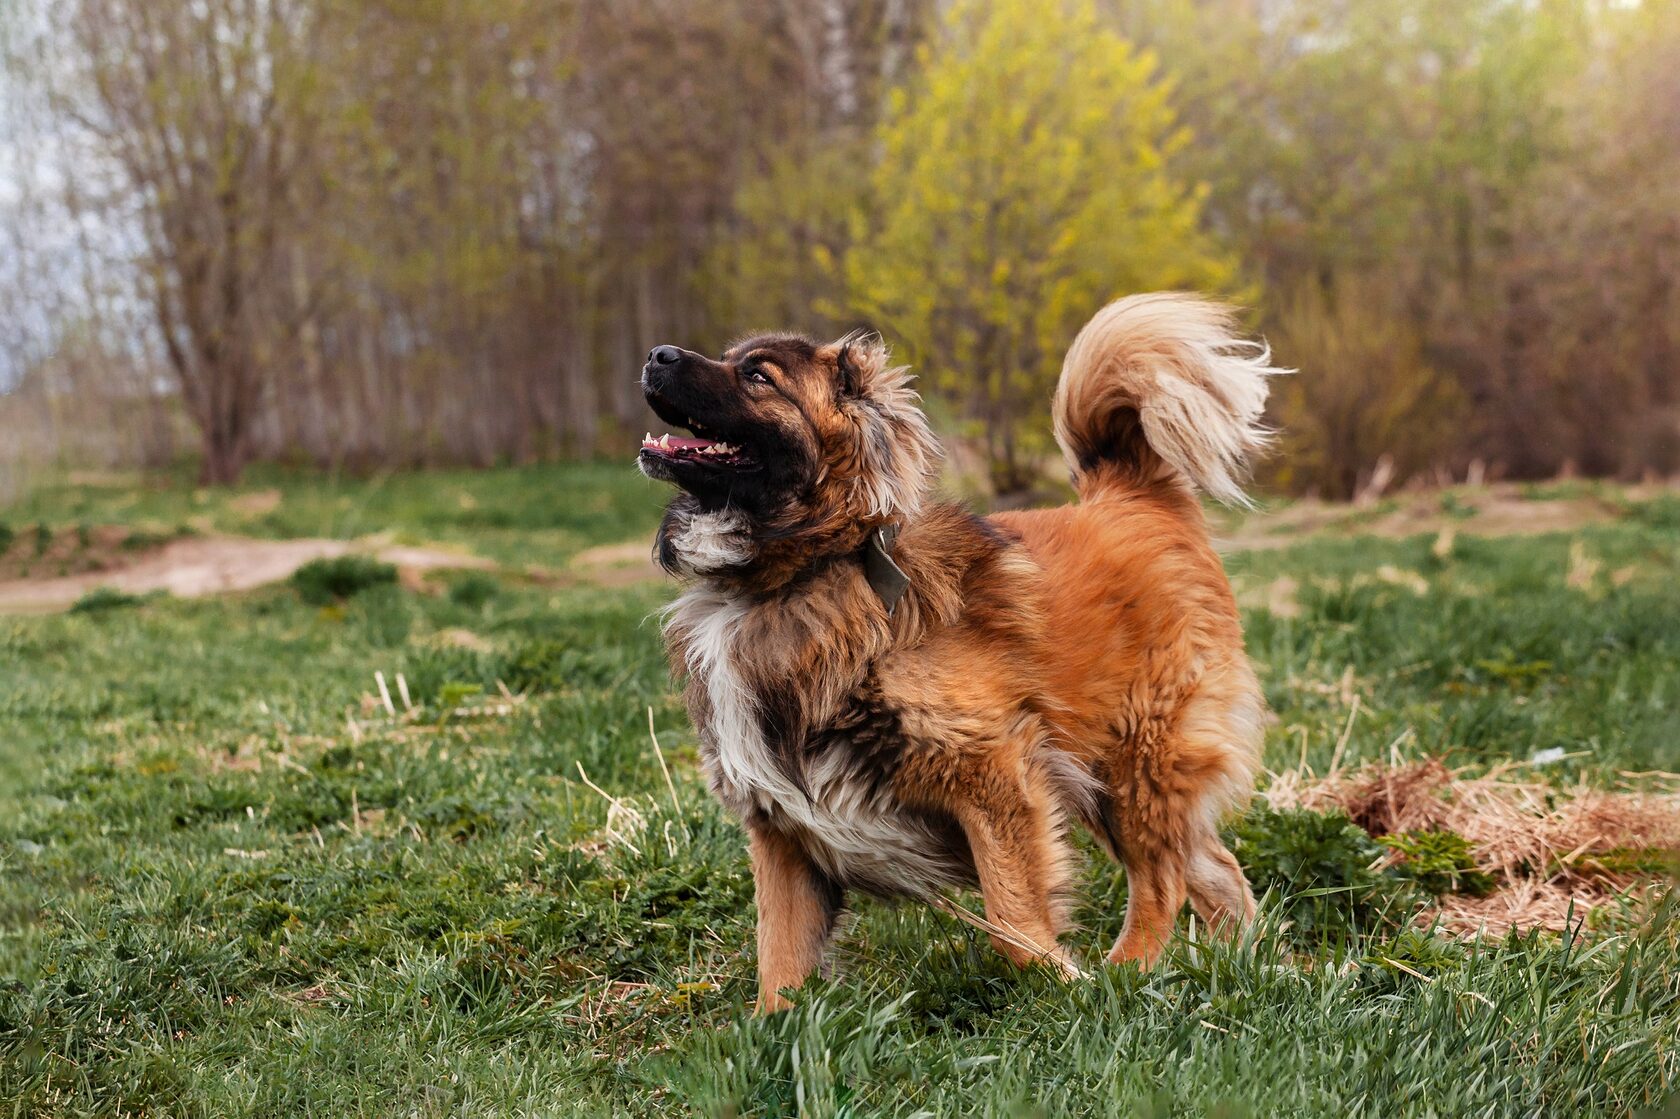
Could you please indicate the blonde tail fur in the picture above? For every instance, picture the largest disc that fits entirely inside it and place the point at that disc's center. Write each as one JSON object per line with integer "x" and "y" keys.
{"x": 1162, "y": 384}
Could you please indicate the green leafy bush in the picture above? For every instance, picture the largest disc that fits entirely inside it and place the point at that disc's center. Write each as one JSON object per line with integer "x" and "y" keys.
{"x": 1438, "y": 861}
{"x": 1319, "y": 867}
{"x": 324, "y": 581}
{"x": 6, "y": 537}
{"x": 142, "y": 540}
{"x": 101, "y": 599}
{"x": 473, "y": 589}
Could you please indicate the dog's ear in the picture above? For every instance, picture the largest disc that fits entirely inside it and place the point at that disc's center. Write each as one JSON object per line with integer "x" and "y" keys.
{"x": 893, "y": 453}
{"x": 847, "y": 361}
{"x": 861, "y": 355}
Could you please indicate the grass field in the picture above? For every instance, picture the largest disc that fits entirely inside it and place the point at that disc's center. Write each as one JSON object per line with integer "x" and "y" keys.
{"x": 233, "y": 883}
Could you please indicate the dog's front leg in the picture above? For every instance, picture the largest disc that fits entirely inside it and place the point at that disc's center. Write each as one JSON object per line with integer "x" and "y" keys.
{"x": 1022, "y": 865}
{"x": 797, "y": 908}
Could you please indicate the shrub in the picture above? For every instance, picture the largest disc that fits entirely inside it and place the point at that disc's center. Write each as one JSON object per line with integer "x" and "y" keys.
{"x": 1365, "y": 389}
{"x": 141, "y": 540}
{"x": 324, "y": 581}
{"x": 473, "y": 589}
{"x": 1319, "y": 867}
{"x": 1438, "y": 861}
{"x": 6, "y": 537}
{"x": 101, "y": 599}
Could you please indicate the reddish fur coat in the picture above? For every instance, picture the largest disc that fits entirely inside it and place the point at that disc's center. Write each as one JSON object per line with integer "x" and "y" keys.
{"x": 1078, "y": 664}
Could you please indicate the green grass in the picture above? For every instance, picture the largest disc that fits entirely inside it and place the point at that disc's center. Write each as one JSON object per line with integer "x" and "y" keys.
{"x": 219, "y": 898}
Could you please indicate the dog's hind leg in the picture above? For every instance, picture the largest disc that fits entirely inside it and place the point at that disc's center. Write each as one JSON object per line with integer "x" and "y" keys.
{"x": 1164, "y": 804}
{"x": 1173, "y": 854}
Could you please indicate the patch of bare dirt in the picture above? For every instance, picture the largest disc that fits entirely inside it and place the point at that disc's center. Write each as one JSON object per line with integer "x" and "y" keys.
{"x": 203, "y": 565}
{"x": 617, "y": 565}
{"x": 1277, "y": 596}
{"x": 36, "y": 552}
{"x": 1494, "y": 510}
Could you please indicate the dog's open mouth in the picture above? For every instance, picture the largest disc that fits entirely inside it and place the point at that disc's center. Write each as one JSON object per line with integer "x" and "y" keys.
{"x": 700, "y": 449}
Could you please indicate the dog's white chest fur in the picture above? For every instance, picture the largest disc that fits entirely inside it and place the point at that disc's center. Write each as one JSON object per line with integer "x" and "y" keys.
{"x": 859, "y": 835}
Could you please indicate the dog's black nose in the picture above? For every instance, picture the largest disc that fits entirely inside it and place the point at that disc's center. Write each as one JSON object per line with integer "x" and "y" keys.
{"x": 664, "y": 355}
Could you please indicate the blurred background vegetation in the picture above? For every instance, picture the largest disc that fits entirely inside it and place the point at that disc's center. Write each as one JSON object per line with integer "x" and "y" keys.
{"x": 370, "y": 234}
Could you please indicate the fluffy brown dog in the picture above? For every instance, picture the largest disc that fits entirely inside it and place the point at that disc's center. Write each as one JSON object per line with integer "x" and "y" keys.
{"x": 896, "y": 695}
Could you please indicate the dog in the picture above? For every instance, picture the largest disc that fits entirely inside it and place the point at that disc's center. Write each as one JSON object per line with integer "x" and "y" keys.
{"x": 896, "y": 695}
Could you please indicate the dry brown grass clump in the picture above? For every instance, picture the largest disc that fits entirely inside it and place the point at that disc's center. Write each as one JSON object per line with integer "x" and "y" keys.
{"x": 1556, "y": 852}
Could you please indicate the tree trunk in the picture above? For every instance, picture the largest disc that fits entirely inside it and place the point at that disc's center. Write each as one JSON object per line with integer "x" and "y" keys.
{"x": 225, "y": 434}
{"x": 223, "y": 462}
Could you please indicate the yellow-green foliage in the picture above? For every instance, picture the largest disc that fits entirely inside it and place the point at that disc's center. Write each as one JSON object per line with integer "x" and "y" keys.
{"x": 781, "y": 267}
{"x": 1022, "y": 183}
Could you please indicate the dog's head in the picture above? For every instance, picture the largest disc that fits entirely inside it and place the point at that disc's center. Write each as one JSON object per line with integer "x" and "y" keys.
{"x": 791, "y": 442}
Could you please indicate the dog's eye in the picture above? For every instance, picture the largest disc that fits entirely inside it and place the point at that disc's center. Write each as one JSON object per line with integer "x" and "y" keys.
{"x": 756, "y": 375}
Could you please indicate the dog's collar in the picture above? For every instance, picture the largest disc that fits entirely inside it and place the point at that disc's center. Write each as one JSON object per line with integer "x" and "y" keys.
{"x": 886, "y": 578}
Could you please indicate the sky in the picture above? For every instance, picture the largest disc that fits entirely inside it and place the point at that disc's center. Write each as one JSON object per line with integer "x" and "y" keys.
{"x": 38, "y": 243}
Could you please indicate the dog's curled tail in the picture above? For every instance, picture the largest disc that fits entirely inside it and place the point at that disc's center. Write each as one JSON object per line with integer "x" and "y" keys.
{"x": 1163, "y": 384}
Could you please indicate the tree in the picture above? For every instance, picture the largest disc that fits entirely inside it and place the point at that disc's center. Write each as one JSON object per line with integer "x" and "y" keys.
{"x": 371, "y": 233}
{"x": 1362, "y": 390}
{"x": 204, "y": 108}
{"x": 1385, "y": 151}
{"x": 779, "y": 255}
{"x": 1577, "y": 338}
{"x": 1022, "y": 183}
